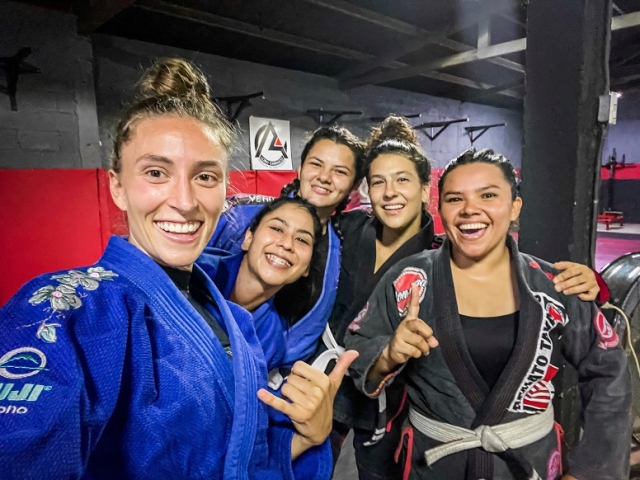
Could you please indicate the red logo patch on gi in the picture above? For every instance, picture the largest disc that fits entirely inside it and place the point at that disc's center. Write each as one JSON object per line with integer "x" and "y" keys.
{"x": 550, "y": 275}
{"x": 534, "y": 264}
{"x": 609, "y": 338}
{"x": 355, "y": 325}
{"x": 536, "y": 390}
{"x": 539, "y": 396}
{"x": 402, "y": 286}
{"x": 554, "y": 465}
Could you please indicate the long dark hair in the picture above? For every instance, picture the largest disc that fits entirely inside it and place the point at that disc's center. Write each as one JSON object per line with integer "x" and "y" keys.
{"x": 306, "y": 288}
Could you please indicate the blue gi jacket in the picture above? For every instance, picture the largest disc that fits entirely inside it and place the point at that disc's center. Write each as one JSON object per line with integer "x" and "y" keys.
{"x": 302, "y": 338}
{"x": 109, "y": 372}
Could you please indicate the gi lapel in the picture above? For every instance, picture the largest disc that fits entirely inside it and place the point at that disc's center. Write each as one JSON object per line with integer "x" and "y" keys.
{"x": 490, "y": 406}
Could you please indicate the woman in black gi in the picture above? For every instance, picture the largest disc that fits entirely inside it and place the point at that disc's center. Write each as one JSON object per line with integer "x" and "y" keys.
{"x": 497, "y": 332}
{"x": 398, "y": 173}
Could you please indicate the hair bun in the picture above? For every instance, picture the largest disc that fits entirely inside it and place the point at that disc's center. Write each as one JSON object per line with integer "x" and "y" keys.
{"x": 173, "y": 77}
{"x": 392, "y": 128}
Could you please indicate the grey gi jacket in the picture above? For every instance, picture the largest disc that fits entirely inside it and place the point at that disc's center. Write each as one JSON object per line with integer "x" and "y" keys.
{"x": 446, "y": 386}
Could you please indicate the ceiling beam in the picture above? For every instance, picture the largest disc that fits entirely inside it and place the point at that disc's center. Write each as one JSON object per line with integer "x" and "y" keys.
{"x": 464, "y": 21}
{"x": 375, "y": 18}
{"x": 481, "y": 94}
{"x": 484, "y": 31}
{"x": 450, "y": 61}
{"x": 513, "y": 46}
{"x": 617, "y": 9}
{"x": 99, "y": 12}
{"x": 212, "y": 20}
{"x": 625, "y": 21}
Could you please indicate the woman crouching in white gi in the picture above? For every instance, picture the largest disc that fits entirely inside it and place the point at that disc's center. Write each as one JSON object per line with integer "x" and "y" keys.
{"x": 481, "y": 402}
{"x": 118, "y": 371}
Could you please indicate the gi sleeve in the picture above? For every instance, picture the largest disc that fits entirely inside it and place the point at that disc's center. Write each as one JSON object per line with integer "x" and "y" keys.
{"x": 229, "y": 230}
{"x": 594, "y": 349}
{"x": 370, "y": 332}
{"x": 61, "y": 361}
{"x": 314, "y": 464}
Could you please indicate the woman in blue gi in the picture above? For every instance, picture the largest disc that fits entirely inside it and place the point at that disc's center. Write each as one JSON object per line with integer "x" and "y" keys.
{"x": 278, "y": 249}
{"x": 495, "y": 330}
{"x": 398, "y": 173}
{"x": 331, "y": 167}
{"x": 136, "y": 367}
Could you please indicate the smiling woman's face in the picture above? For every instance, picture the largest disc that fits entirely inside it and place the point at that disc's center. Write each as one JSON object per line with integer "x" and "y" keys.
{"x": 172, "y": 187}
{"x": 327, "y": 175}
{"x": 279, "y": 251}
{"x": 477, "y": 209}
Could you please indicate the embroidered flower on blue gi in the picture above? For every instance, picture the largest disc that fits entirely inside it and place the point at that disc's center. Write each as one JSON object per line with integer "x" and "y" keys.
{"x": 64, "y": 296}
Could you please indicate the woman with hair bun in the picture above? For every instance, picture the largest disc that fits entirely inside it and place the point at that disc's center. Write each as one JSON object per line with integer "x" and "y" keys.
{"x": 119, "y": 369}
{"x": 398, "y": 173}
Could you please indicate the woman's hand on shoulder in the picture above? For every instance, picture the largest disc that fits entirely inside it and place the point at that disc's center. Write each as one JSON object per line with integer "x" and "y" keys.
{"x": 310, "y": 394}
{"x": 412, "y": 339}
{"x": 576, "y": 279}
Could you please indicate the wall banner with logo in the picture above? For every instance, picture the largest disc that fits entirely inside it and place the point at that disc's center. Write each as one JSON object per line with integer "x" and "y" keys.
{"x": 270, "y": 144}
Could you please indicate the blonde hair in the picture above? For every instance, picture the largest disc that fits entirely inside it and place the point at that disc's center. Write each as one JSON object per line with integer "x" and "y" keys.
{"x": 172, "y": 86}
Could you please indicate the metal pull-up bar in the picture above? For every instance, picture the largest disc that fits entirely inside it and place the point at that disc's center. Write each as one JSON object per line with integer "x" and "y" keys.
{"x": 442, "y": 125}
{"x": 482, "y": 129}
{"x": 244, "y": 101}
{"x": 318, "y": 115}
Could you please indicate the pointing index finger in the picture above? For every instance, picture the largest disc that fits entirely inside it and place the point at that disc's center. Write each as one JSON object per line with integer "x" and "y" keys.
{"x": 414, "y": 302}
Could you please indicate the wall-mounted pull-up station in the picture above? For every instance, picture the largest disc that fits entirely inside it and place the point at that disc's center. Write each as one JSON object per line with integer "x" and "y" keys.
{"x": 319, "y": 115}
{"x": 14, "y": 67}
{"x": 482, "y": 129}
{"x": 443, "y": 125}
{"x": 243, "y": 101}
{"x": 380, "y": 119}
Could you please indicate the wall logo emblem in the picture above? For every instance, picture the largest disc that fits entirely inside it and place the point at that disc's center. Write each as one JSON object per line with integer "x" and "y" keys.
{"x": 402, "y": 286}
{"x": 608, "y": 336}
{"x": 22, "y": 362}
{"x": 270, "y": 144}
{"x": 536, "y": 390}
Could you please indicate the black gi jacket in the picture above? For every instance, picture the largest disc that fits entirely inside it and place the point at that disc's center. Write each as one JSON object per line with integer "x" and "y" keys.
{"x": 446, "y": 386}
{"x": 357, "y": 281}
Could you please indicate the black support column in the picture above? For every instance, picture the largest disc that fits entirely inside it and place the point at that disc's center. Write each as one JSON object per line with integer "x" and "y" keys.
{"x": 566, "y": 73}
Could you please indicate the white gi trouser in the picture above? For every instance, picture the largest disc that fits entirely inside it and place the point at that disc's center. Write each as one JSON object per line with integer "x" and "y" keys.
{"x": 496, "y": 438}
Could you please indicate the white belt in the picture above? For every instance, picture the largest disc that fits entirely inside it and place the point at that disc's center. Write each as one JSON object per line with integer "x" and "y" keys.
{"x": 496, "y": 438}
{"x": 333, "y": 352}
